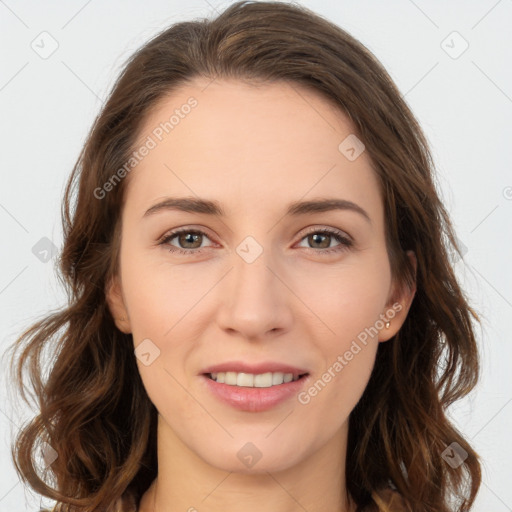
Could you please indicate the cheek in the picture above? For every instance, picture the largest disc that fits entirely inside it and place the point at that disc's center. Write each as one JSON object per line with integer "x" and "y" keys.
{"x": 159, "y": 301}
{"x": 345, "y": 298}
{"x": 348, "y": 350}
{"x": 344, "y": 331}
{"x": 159, "y": 294}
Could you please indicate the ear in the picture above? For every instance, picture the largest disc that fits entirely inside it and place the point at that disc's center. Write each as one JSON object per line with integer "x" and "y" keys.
{"x": 397, "y": 310}
{"x": 116, "y": 304}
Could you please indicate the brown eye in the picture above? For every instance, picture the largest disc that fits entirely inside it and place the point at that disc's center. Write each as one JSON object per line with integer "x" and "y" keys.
{"x": 188, "y": 240}
{"x": 323, "y": 238}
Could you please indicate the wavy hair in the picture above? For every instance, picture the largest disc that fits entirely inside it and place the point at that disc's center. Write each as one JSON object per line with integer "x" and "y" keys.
{"x": 94, "y": 410}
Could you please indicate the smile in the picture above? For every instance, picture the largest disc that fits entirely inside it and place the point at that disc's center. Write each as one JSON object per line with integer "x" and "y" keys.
{"x": 250, "y": 380}
{"x": 254, "y": 392}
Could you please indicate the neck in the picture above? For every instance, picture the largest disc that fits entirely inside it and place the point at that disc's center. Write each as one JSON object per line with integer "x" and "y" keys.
{"x": 186, "y": 482}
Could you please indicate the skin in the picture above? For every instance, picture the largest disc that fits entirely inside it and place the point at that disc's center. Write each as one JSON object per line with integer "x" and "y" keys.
{"x": 254, "y": 149}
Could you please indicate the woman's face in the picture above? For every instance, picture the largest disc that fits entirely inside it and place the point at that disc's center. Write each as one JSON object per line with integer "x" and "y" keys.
{"x": 257, "y": 286}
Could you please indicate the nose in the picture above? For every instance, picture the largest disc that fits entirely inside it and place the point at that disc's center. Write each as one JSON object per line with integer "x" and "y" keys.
{"x": 255, "y": 299}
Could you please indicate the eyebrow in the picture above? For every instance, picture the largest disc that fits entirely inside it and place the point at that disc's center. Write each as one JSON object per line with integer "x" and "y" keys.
{"x": 295, "y": 209}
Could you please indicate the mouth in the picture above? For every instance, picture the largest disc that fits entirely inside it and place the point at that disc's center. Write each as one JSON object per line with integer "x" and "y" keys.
{"x": 254, "y": 392}
{"x": 251, "y": 380}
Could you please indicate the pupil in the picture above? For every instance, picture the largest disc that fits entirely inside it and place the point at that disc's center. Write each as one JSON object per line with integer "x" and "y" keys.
{"x": 315, "y": 236}
{"x": 189, "y": 237}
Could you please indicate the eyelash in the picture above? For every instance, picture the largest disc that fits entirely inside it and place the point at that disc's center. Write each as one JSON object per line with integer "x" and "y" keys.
{"x": 345, "y": 243}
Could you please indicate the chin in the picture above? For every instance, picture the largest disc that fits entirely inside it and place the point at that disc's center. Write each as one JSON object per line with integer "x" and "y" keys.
{"x": 255, "y": 457}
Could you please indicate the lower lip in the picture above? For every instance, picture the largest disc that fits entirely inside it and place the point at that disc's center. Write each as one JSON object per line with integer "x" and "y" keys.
{"x": 254, "y": 399}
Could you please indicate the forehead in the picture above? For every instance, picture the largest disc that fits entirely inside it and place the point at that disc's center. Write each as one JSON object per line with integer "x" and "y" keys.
{"x": 246, "y": 144}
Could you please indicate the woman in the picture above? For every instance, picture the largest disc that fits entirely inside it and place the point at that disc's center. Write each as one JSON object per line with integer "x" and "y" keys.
{"x": 254, "y": 367}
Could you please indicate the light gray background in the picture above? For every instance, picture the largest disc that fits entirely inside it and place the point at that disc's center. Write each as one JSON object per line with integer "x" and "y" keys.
{"x": 464, "y": 104}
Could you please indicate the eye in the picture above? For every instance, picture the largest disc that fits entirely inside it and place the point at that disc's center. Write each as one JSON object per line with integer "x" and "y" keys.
{"x": 187, "y": 236}
{"x": 318, "y": 236}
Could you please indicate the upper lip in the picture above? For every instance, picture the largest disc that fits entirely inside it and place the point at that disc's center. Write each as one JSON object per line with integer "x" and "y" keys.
{"x": 265, "y": 367}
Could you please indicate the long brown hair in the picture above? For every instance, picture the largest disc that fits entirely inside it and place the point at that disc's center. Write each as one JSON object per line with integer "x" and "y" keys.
{"x": 94, "y": 410}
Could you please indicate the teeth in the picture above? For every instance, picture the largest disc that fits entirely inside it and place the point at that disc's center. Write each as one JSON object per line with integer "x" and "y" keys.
{"x": 245, "y": 379}
{"x": 249, "y": 380}
{"x": 230, "y": 378}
